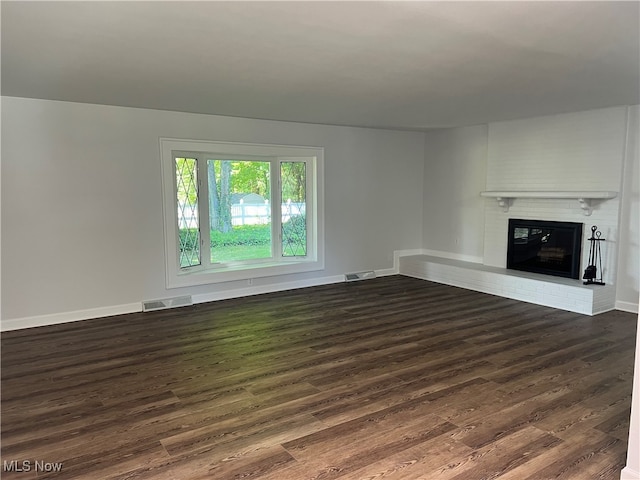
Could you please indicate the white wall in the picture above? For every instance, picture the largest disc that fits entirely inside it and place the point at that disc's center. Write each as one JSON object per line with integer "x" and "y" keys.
{"x": 81, "y": 197}
{"x": 628, "y": 283}
{"x": 631, "y": 470}
{"x": 455, "y": 173}
{"x": 82, "y": 202}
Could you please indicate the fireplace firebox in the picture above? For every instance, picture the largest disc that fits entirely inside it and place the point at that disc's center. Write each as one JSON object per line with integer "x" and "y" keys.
{"x": 539, "y": 246}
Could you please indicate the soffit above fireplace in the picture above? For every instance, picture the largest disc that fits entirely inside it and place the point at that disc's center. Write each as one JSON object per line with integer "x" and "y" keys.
{"x": 586, "y": 198}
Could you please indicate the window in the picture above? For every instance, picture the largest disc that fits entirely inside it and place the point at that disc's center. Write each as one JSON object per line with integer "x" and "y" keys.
{"x": 240, "y": 211}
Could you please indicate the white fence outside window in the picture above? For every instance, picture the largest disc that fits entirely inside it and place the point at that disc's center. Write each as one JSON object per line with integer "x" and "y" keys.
{"x": 242, "y": 214}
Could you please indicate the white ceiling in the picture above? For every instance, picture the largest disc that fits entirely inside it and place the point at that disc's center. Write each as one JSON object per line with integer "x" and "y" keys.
{"x": 413, "y": 65}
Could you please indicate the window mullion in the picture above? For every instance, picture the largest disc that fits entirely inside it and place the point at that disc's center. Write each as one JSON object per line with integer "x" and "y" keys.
{"x": 203, "y": 212}
{"x": 311, "y": 211}
{"x": 276, "y": 209}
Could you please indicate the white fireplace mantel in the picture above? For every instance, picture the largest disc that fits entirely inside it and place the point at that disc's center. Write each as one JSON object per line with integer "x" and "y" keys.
{"x": 586, "y": 198}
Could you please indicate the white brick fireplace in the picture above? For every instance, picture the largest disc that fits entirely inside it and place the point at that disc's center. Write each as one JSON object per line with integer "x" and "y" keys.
{"x": 560, "y": 159}
{"x": 564, "y": 153}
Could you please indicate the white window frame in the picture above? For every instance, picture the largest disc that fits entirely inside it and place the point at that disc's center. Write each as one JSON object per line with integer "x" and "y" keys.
{"x": 208, "y": 272}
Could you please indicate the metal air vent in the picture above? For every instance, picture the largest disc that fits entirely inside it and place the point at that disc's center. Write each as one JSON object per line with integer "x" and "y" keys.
{"x": 164, "y": 303}
{"x": 356, "y": 276}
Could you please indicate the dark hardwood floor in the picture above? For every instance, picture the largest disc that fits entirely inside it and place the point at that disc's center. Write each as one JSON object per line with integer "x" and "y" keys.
{"x": 392, "y": 378}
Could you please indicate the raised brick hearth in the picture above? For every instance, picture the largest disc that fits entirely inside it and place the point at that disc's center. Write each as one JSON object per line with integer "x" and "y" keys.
{"x": 557, "y": 292}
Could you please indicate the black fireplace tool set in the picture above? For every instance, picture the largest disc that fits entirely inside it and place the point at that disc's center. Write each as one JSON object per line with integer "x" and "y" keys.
{"x": 592, "y": 274}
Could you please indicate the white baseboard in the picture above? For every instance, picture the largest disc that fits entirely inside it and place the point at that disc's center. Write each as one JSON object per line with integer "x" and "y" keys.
{"x": 627, "y": 306}
{"x": 65, "y": 317}
{"x": 260, "y": 289}
{"x": 385, "y": 272}
{"x": 629, "y": 474}
{"x": 279, "y": 287}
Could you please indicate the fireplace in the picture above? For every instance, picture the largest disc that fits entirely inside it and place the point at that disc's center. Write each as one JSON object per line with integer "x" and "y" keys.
{"x": 538, "y": 246}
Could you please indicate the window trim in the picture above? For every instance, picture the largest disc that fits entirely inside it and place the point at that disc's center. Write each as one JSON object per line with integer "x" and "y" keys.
{"x": 216, "y": 273}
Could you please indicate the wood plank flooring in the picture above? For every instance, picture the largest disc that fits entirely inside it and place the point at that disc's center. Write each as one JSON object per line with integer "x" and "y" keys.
{"x": 392, "y": 378}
